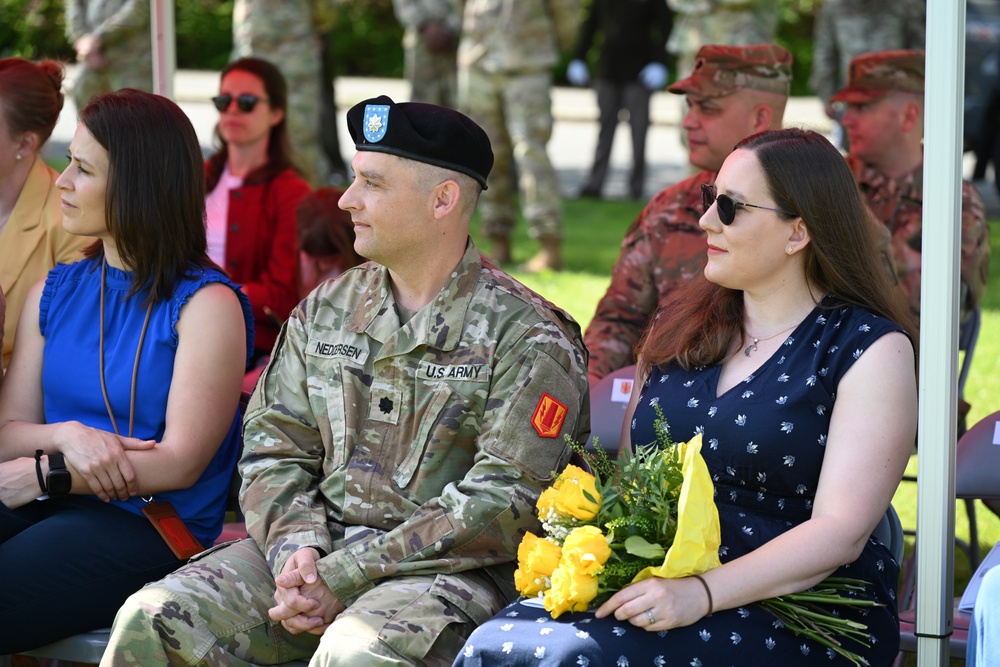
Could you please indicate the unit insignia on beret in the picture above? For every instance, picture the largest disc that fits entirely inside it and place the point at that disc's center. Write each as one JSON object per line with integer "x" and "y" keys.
{"x": 376, "y": 122}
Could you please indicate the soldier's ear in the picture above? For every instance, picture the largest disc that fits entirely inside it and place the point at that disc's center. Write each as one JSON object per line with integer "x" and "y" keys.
{"x": 447, "y": 195}
{"x": 762, "y": 115}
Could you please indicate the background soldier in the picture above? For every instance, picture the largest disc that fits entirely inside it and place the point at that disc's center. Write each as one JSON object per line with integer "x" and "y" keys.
{"x": 285, "y": 32}
{"x": 113, "y": 43}
{"x": 505, "y": 60}
{"x": 732, "y": 93}
{"x": 396, "y": 444}
{"x": 430, "y": 46}
{"x": 846, "y": 29}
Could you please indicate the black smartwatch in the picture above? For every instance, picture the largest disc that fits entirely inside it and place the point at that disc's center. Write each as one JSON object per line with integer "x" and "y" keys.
{"x": 59, "y": 481}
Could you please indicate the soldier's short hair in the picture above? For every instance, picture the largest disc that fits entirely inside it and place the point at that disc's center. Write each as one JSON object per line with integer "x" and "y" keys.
{"x": 873, "y": 75}
{"x": 722, "y": 70}
{"x": 423, "y": 132}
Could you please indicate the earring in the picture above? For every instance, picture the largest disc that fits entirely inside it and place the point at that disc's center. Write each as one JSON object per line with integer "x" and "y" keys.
{"x": 789, "y": 250}
{"x": 18, "y": 156}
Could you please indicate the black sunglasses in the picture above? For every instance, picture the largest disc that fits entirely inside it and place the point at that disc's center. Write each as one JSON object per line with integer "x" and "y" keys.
{"x": 244, "y": 102}
{"x": 727, "y": 205}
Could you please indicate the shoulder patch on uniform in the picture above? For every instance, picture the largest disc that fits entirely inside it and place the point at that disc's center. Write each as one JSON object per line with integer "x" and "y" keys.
{"x": 549, "y": 416}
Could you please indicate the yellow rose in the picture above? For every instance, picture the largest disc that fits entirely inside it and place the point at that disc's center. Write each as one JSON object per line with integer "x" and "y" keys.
{"x": 571, "y": 500}
{"x": 570, "y": 591}
{"x": 536, "y": 559}
{"x": 586, "y": 550}
{"x": 546, "y": 504}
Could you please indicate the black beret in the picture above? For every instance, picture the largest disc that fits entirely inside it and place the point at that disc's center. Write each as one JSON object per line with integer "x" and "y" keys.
{"x": 422, "y": 132}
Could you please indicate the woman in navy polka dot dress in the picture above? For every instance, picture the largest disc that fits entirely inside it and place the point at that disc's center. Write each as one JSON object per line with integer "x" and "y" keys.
{"x": 794, "y": 358}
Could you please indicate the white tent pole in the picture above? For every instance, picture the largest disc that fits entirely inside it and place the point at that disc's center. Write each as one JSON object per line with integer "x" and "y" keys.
{"x": 943, "y": 102}
{"x": 164, "y": 52}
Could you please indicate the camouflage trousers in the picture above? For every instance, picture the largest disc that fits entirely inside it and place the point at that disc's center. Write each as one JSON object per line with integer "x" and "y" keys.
{"x": 213, "y": 611}
{"x": 515, "y": 110}
{"x": 433, "y": 76}
{"x": 123, "y": 72}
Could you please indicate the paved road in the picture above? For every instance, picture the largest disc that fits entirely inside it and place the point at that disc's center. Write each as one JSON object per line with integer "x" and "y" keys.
{"x": 571, "y": 147}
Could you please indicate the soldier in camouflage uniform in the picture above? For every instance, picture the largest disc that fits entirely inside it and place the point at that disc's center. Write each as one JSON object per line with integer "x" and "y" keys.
{"x": 505, "y": 60}
{"x": 732, "y": 93}
{"x": 884, "y": 123}
{"x": 730, "y": 22}
{"x": 113, "y": 43}
{"x": 430, "y": 43}
{"x": 397, "y": 442}
{"x": 286, "y": 32}
{"x": 846, "y": 29}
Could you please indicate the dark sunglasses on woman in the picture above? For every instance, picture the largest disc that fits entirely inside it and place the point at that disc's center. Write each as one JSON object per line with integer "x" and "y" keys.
{"x": 245, "y": 102}
{"x": 727, "y": 205}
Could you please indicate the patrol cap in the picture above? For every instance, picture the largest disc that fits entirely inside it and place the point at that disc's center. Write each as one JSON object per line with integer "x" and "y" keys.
{"x": 422, "y": 132}
{"x": 722, "y": 70}
{"x": 872, "y": 75}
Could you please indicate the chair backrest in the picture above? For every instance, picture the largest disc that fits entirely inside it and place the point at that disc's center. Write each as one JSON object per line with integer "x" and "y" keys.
{"x": 608, "y": 402}
{"x": 977, "y": 460}
{"x": 968, "y": 334}
{"x": 889, "y": 532}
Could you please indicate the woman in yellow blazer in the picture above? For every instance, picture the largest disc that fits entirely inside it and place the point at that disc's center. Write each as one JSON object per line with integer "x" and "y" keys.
{"x": 32, "y": 239}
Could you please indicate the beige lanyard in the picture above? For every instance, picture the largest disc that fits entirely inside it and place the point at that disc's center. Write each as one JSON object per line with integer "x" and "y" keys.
{"x": 135, "y": 367}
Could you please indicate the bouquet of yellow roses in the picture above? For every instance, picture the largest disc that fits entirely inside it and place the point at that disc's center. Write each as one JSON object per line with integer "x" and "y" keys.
{"x": 651, "y": 514}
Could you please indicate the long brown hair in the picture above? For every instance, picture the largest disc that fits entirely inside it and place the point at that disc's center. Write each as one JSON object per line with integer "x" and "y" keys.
{"x": 155, "y": 202}
{"x": 804, "y": 173}
{"x": 279, "y": 147}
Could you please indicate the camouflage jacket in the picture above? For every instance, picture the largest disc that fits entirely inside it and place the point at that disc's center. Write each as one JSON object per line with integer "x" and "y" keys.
{"x": 417, "y": 448}
{"x": 117, "y": 23}
{"x": 899, "y": 204}
{"x": 662, "y": 249}
{"x": 846, "y": 29}
{"x": 412, "y": 14}
{"x": 517, "y": 35}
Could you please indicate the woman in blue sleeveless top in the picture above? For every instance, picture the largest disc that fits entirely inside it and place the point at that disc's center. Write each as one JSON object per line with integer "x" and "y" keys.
{"x": 122, "y": 396}
{"x": 793, "y": 358}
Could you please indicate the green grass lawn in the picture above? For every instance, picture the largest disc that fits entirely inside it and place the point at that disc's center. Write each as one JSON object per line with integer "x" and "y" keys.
{"x": 593, "y": 234}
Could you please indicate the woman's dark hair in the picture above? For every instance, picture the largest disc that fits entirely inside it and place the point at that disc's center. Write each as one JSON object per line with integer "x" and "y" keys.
{"x": 155, "y": 201}
{"x": 325, "y": 229}
{"x": 31, "y": 96}
{"x": 279, "y": 148}
{"x": 804, "y": 173}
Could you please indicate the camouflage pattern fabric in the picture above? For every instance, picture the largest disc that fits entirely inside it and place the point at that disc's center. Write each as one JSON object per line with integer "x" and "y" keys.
{"x": 506, "y": 55}
{"x": 123, "y": 27}
{"x": 283, "y": 32}
{"x": 515, "y": 111}
{"x": 432, "y": 73}
{"x": 730, "y": 22}
{"x": 846, "y": 29}
{"x": 721, "y": 70}
{"x": 874, "y": 75}
{"x": 214, "y": 611}
{"x": 899, "y": 205}
{"x": 662, "y": 249}
{"x": 411, "y": 454}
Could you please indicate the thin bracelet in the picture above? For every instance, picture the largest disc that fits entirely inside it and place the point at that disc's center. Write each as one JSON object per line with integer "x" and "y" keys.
{"x": 708, "y": 592}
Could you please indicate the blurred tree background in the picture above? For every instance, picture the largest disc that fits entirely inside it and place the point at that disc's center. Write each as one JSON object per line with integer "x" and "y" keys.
{"x": 366, "y": 35}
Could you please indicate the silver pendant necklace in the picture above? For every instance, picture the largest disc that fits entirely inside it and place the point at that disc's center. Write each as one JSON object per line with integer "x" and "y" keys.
{"x": 752, "y": 347}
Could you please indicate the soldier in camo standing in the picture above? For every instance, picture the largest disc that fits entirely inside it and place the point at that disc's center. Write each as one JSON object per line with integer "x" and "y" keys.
{"x": 396, "y": 444}
{"x": 730, "y": 22}
{"x": 286, "y": 33}
{"x": 732, "y": 92}
{"x": 505, "y": 59}
{"x": 846, "y": 29}
{"x": 430, "y": 46}
{"x": 113, "y": 44}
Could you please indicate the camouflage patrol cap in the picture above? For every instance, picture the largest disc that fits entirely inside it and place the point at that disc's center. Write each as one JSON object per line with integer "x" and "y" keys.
{"x": 422, "y": 132}
{"x": 722, "y": 70}
{"x": 872, "y": 75}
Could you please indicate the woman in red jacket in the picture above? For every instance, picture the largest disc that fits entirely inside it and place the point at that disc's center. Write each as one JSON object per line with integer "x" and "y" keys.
{"x": 253, "y": 192}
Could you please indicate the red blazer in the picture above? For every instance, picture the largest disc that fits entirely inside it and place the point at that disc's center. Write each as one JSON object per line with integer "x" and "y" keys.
{"x": 262, "y": 249}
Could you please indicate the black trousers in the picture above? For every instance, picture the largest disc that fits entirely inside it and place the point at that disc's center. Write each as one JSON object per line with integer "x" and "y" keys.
{"x": 67, "y": 565}
{"x": 612, "y": 97}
